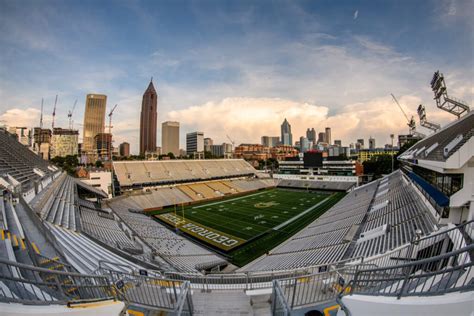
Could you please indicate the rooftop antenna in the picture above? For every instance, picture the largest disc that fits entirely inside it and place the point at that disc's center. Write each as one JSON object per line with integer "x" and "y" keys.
{"x": 424, "y": 122}
{"x": 41, "y": 117}
{"x": 69, "y": 115}
{"x": 410, "y": 121}
{"x": 54, "y": 110}
{"x": 443, "y": 101}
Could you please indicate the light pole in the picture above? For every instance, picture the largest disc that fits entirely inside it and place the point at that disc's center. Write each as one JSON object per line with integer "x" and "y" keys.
{"x": 392, "y": 136}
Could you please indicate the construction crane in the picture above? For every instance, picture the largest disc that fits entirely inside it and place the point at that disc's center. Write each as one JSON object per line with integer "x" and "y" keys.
{"x": 424, "y": 122}
{"x": 41, "y": 117}
{"x": 54, "y": 111}
{"x": 69, "y": 115}
{"x": 231, "y": 141}
{"x": 410, "y": 121}
{"x": 110, "y": 118}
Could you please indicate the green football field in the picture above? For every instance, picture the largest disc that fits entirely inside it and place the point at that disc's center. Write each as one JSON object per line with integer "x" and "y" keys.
{"x": 246, "y": 227}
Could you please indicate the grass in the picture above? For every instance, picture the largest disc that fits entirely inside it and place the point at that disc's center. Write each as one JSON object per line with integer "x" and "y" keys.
{"x": 253, "y": 218}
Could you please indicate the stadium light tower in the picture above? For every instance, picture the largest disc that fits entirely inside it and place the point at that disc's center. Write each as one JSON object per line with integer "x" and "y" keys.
{"x": 424, "y": 122}
{"x": 391, "y": 137}
{"x": 443, "y": 101}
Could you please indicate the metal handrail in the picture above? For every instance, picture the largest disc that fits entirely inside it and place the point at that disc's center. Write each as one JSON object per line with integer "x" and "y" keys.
{"x": 423, "y": 261}
{"x": 30, "y": 284}
{"x": 397, "y": 280}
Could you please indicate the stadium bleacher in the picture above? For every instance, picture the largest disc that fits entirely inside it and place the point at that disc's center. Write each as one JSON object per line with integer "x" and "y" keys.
{"x": 20, "y": 163}
{"x": 149, "y": 173}
{"x": 316, "y": 185}
{"x": 175, "y": 249}
{"x": 335, "y": 231}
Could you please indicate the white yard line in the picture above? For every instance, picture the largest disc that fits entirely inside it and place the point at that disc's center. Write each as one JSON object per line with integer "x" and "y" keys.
{"x": 300, "y": 214}
{"x": 222, "y": 202}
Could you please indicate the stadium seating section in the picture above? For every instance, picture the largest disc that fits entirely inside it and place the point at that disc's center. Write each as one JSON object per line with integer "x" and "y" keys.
{"x": 339, "y": 233}
{"x": 133, "y": 173}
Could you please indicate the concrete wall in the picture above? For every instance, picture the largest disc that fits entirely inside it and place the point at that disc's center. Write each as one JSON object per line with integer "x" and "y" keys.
{"x": 459, "y": 304}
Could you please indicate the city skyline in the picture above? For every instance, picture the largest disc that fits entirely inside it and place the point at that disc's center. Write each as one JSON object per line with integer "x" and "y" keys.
{"x": 320, "y": 66}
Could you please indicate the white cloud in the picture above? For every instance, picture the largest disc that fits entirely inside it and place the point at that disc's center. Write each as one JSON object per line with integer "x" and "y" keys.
{"x": 247, "y": 119}
{"x": 356, "y": 14}
{"x": 18, "y": 117}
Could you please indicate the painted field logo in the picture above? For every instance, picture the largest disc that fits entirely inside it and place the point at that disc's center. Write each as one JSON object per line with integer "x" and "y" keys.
{"x": 266, "y": 204}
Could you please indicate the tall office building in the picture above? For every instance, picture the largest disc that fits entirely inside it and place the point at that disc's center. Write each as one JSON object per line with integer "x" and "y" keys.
{"x": 124, "y": 149}
{"x": 311, "y": 135}
{"x": 338, "y": 142}
{"x": 170, "y": 138}
{"x": 42, "y": 142}
{"x": 64, "y": 142}
{"x": 94, "y": 123}
{"x": 371, "y": 143}
{"x": 321, "y": 137}
{"x": 328, "y": 135}
{"x": 194, "y": 143}
{"x": 270, "y": 141}
{"x": 103, "y": 145}
{"x": 208, "y": 142}
{"x": 304, "y": 144}
{"x": 22, "y": 133}
{"x": 148, "y": 120}
{"x": 286, "y": 136}
{"x": 360, "y": 141}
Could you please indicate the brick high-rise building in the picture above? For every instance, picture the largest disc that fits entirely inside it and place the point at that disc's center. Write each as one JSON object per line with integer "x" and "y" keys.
{"x": 124, "y": 149}
{"x": 148, "y": 120}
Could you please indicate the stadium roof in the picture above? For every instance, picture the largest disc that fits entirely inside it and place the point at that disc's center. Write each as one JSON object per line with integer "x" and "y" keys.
{"x": 444, "y": 143}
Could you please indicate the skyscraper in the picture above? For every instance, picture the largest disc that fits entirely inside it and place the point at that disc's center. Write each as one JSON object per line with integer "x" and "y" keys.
{"x": 148, "y": 120}
{"x": 194, "y": 143}
{"x": 321, "y": 137}
{"x": 371, "y": 143}
{"x": 311, "y": 135}
{"x": 328, "y": 135}
{"x": 94, "y": 123}
{"x": 170, "y": 138}
{"x": 286, "y": 136}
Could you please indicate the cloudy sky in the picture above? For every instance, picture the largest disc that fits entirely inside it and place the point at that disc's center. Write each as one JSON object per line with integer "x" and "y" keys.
{"x": 236, "y": 67}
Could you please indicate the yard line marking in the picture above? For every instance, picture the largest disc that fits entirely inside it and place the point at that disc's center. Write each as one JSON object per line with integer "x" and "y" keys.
{"x": 301, "y": 214}
{"x": 239, "y": 198}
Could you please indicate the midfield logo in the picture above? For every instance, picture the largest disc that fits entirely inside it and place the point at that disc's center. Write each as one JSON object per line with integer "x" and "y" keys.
{"x": 266, "y": 204}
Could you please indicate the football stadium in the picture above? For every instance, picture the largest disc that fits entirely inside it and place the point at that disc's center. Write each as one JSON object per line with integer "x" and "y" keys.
{"x": 216, "y": 237}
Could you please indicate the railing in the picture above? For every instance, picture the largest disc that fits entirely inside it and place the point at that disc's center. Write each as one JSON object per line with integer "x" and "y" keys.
{"x": 152, "y": 293}
{"x": 32, "y": 285}
{"x": 312, "y": 289}
{"x": 450, "y": 272}
{"x": 279, "y": 303}
{"x": 403, "y": 265}
{"x": 251, "y": 280}
{"x": 453, "y": 238}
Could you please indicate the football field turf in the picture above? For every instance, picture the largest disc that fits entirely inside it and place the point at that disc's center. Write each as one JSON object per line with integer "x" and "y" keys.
{"x": 245, "y": 227}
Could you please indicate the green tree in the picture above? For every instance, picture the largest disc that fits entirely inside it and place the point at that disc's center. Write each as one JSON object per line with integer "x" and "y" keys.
{"x": 68, "y": 163}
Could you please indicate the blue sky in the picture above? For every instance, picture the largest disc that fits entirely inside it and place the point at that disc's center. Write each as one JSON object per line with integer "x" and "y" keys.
{"x": 236, "y": 67}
